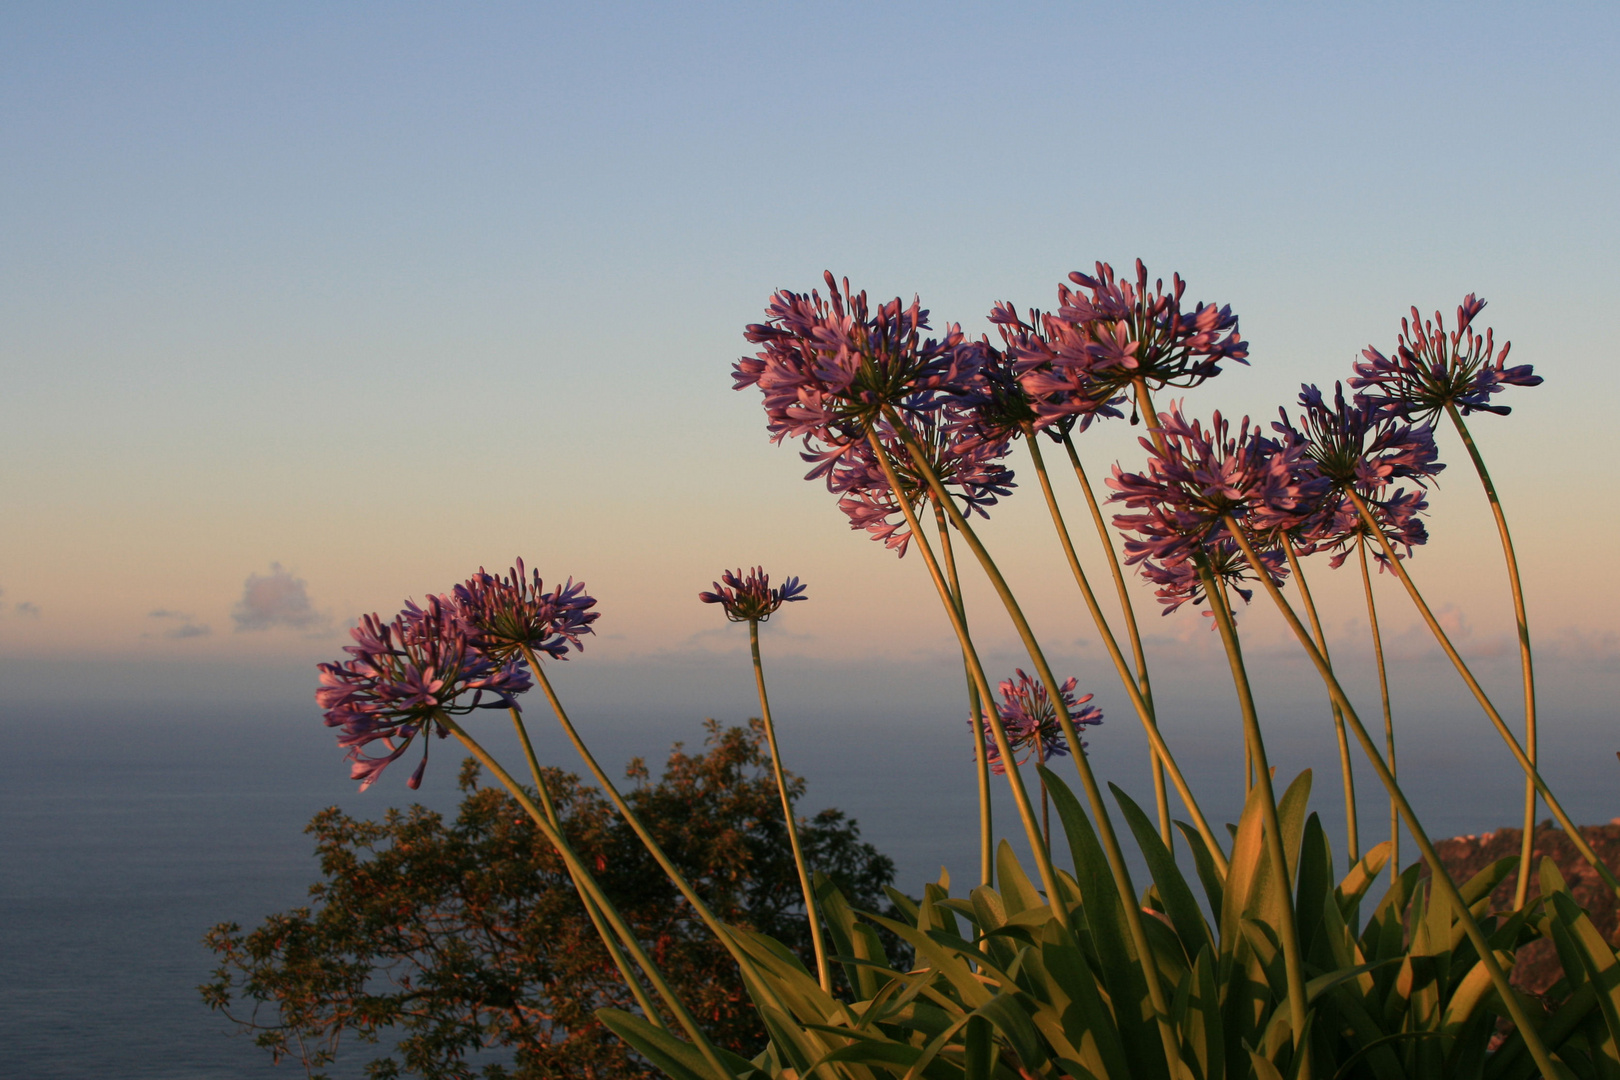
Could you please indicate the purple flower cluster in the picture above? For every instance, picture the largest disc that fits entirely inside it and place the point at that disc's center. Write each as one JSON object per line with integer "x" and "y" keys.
{"x": 1433, "y": 368}
{"x": 1030, "y": 380}
{"x": 832, "y": 370}
{"x": 403, "y": 676}
{"x": 967, "y": 463}
{"x": 828, "y": 367}
{"x": 448, "y": 657}
{"x": 751, "y": 598}
{"x": 1031, "y": 722}
{"x": 1201, "y": 477}
{"x": 505, "y": 615}
{"x": 1355, "y": 447}
{"x": 1116, "y": 332}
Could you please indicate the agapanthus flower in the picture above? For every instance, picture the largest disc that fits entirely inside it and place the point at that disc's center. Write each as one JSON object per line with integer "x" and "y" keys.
{"x": 1433, "y": 368}
{"x": 751, "y": 598}
{"x": 1354, "y": 444}
{"x": 967, "y": 463}
{"x": 1396, "y": 514}
{"x": 1181, "y": 582}
{"x": 1114, "y": 332}
{"x": 830, "y": 366}
{"x": 404, "y": 676}
{"x": 1024, "y": 383}
{"x": 1031, "y": 722}
{"x": 1200, "y": 477}
{"x": 504, "y": 615}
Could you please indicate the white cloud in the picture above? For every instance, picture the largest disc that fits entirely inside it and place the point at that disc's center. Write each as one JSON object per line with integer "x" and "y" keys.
{"x": 277, "y": 599}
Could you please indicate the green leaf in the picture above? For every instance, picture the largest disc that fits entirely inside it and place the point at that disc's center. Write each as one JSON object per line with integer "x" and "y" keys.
{"x": 1179, "y": 903}
{"x": 1122, "y": 972}
{"x": 1017, "y": 894}
{"x": 676, "y": 1058}
{"x": 1208, "y": 873}
{"x": 1314, "y": 884}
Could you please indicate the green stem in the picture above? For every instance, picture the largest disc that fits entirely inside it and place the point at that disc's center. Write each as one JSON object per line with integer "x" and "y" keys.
{"x": 1144, "y": 708}
{"x": 719, "y": 929}
{"x": 823, "y": 972}
{"x": 1526, "y": 665}
{"x": 1383, "y": 693}
{"x": 1288, "y": 926}
{"x": 1015, "y": 780}
{"x": 1105, "y": 828}
{"x": 549, "y": 807}
{"x": 1161, "y": 797}
{"x": 1495, "y": 717}
{"x": 981, "y": 757}
{"x": 1352, "y": 832}
{"x": 1437, "y": 869}
{"x": 583, "y": 877}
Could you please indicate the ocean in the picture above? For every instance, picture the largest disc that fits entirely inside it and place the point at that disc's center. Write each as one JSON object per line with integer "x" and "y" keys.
{"x": 130, "y": 829}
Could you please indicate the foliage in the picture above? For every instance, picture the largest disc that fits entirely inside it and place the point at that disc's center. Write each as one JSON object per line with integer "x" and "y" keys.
{"x": 1003, "y": 990}
{"x": 466, "y": 935}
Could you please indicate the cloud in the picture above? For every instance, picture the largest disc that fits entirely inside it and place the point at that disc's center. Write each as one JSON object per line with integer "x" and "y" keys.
{"x": 277, "y": 599}
{"x": 26, "y": 609}
{"x": 188, "y": 626}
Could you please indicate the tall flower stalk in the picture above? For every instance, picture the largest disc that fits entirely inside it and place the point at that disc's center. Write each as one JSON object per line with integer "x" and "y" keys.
{"x": 411, "y": 678}
{"x": 1197, "y": 480}
{"x": 1485, "y": 703}
{"x": 1457, "y": 373}
{"x": 1439, "y": 875}
{"x": 1383, "y": 697}
{"x": 752, "y": 600}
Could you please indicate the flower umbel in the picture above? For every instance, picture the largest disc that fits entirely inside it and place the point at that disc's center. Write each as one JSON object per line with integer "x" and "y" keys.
{"x": 751, "y": 598}
{"x": 405, "y": 675}
{"x": 1434, "y": 368}
{"x": 1031, "y": 722}
{"x": 502, "y": 616}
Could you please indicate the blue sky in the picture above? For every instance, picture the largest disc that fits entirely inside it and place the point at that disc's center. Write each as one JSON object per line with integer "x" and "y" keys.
{"x": 354, "y": 299}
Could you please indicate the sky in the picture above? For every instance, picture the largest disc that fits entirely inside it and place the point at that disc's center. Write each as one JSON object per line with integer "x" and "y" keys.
{"x": 306, "y": 309}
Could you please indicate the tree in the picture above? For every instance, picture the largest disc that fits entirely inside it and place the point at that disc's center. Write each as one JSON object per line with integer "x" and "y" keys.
{"x": 466, "y": 941}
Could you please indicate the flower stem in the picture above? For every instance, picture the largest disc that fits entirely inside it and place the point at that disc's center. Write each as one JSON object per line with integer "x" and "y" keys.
{"x": 1495, "y": 717}
{"x": 619, "y": 960}
{"x": 998, "y": 731}
{"x": 1437, "y": 869}
{"x": 823, "y": 972}
{"x": 1352, "y": 832}
{"x": 1383, "y": 692}
{"x": 981, "y": 758}
{"x": 1105, "y": 827}
{"x": 1143, "y": 706}
{"x": 1526, "y": 664}
{"x": 583, "y": 877}
{"x": 712, "y": 921}
{"x": 1161, "y": 797}
{"x": 1288, "y": 926}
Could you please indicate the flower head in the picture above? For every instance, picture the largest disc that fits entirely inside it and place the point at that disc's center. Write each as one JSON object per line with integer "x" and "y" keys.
{"x": 966, "y": 461}
{"x": 1203, "y": 475}
{"x": 503, "y": 616}
{"x": 1115, "y": 332}
{"x": 829, "y": 366}
{"x": 751, "y": 598}
{"x": 1181, "y": 581}
{"x": 1031, "y": 722}
{"x": 1026, "y": 382}
{"x": 1340, "y": 528}
{"x": 1433, "y": 368}
{"x": 403, "y": 677}
{"x": 1354, "y": 444}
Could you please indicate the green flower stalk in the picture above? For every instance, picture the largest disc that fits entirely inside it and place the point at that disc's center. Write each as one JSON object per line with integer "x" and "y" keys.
{"x": 1458, "y": 372}
{"x": 752, "y": 600}
{"x": 1383, "y": 696}
{"x": 1490, "y": 709}
{"x": 1487, "y": 956}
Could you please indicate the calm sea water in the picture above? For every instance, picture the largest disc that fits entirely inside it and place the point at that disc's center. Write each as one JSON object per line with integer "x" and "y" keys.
{"x": 130, "y": 830}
